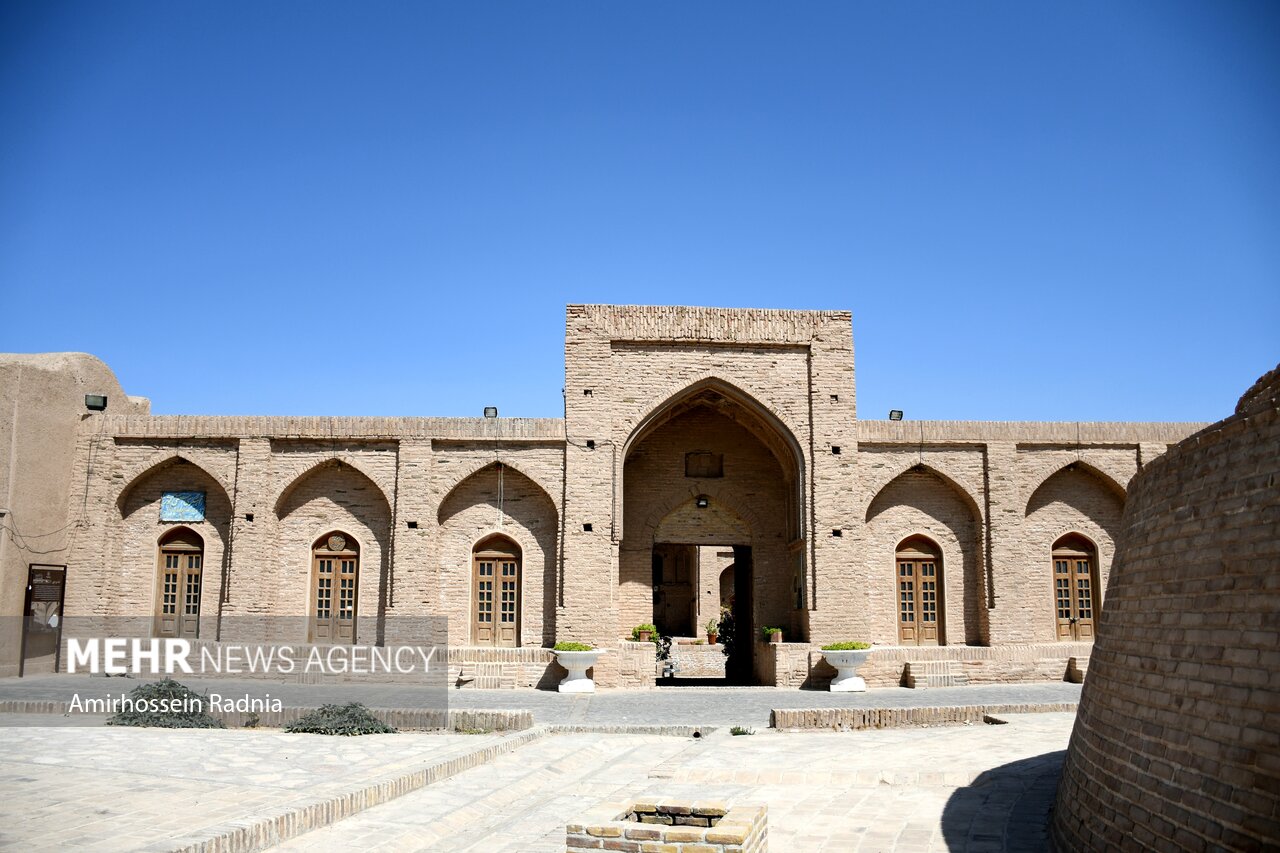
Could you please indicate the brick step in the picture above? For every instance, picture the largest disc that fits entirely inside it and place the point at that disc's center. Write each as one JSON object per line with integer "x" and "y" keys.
{"x": 1077, "y": 668}
{"x": 923, "y": 674}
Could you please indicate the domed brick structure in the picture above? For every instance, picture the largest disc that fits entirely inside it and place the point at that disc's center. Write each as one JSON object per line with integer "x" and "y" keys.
{"x": 1177, "y": 742}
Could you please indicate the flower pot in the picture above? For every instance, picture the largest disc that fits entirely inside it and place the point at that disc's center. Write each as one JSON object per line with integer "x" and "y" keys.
{"x": 846, "y": 664}
{"x": 577, "y": 664}
{"x": 711, "y": 639}
{"x": 644, "y": 636}
{"x": 775, "y": 638}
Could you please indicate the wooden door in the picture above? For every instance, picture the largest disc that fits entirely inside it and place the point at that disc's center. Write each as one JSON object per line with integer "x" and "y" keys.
{"x": 335, "y": 582}
{"x": 1073, "y": 591}
{"x": 181, "y": 574}
{"x": 919, "y": 596}
{"x": 496, "y": 599}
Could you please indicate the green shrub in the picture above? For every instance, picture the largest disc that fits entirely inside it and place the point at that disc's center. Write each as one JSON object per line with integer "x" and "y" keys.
{"x": 152, "y": 701}
{"x": 565, "y": 646}
{"x": 739, "y": 730}
{"x": 350, "y": 719}
{"x": 847, "y": 646}
{"x": 769, "y": 632}
{"x": 653, "y": 632}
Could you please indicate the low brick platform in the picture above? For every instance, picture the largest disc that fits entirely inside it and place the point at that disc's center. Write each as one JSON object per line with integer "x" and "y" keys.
{"x": 670, "y": 826}
{"x": 889, "y": 666}
{"x": 847, "y": 719}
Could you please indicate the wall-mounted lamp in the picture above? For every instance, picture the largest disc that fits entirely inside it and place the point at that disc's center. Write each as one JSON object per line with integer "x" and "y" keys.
{"x": 490, "y": 411}
{"x": 895, "y": 414}
{"x": 95, "y": 402}
{"x": 702, "y": 502}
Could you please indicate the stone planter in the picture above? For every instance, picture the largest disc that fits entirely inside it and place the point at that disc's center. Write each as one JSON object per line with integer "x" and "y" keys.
{"x": 846, "y": 664}
{"x": 644, "y": 636}
{"x": 577, "y": 663}
{"x": 775, "y": 637}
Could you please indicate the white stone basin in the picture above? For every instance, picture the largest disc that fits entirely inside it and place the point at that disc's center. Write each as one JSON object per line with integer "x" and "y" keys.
{"x": 846, "y": 664}
{"x": 577, "y": 663}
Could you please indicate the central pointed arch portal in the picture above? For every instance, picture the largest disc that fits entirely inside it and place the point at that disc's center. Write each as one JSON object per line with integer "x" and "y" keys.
{"x": 712, "y": 472}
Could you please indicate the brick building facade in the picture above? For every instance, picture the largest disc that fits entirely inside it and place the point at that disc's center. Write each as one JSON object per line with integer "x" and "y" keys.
{"x": 706, "y": 457}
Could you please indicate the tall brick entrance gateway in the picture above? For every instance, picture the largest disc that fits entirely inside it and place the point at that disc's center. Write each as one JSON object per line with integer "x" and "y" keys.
{"x": 728, "y": 436}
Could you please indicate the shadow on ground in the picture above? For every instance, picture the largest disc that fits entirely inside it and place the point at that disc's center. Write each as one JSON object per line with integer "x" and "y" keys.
{"x": 1006, "y": 808}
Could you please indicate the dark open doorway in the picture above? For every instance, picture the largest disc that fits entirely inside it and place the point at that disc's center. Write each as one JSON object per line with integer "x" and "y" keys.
{"x": 702, "y": 604}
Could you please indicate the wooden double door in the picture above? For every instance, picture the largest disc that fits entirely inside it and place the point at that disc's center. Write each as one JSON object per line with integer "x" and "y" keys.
{"x": 495, "y": 594}
{"x": 1074, "y": 590}
{"x": 335, "y": 585}
{"x": 179, "y": 587}
{"x": 919, "y": 580}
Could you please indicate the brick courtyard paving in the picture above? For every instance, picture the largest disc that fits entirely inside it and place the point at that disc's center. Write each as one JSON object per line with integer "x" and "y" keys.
{"x": 128, "y": 789}
{"x": 975, "y": 788}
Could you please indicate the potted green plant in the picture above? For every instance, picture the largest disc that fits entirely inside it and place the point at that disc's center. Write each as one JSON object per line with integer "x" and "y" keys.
{"x": 713, "y": 630}
{"x": 846, "y": 657}
{"x": 772, "y": 635}
{"x": 577, "y": 658}
{"x": 644, "y": 633}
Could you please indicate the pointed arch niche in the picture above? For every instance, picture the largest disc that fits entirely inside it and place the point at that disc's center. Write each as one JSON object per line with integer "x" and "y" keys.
{"x": 195, "y": 551}
{"x": 920, "y": 508}
{"x": 498, "y": 518}
{"x": 328, "y": 502}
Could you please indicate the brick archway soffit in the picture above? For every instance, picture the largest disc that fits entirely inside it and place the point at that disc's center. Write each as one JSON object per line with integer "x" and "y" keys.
{"x": 650, "y": 527}
{"x": 967, "y": 497}
{"x": 777, "y": 433}
{"x": 484, "y": 466}
{"x": 769, "y": 427}
{"x": 142, "y": 471}
{"x": 1105, "y": 480}
{"x": 316, "y": 468}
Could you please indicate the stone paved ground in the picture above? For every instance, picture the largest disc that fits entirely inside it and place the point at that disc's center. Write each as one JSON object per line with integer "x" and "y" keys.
{"x": 976, "y": 788}
{"x": 126, "y": 789}
{"x": 663, "y": 706}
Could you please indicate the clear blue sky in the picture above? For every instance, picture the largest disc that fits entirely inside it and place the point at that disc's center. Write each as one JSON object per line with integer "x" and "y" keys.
{"x": 1039, "y": 211}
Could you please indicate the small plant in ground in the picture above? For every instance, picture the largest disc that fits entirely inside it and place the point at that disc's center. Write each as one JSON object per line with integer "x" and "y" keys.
{"x": 566, "y": 646}
{"x": 739, "y": 730}
{"x": 252, "y": 721}
{"x": 473, "y": 731}
{"x": 166, "y": 704}
{"x": 846, "y": 646}
{"x": 350, "y": 719}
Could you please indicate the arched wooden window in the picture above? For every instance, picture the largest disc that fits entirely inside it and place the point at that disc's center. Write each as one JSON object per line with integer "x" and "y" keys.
{"x": 181, "y": 565}
{"x": 919, "y": 580}
{"x": 335, "y": 581}
{"x": 1075, "y": 586}
{"x": 495, "y": 596}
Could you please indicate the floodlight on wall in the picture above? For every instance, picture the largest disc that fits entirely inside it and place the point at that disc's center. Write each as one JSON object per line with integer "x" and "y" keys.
{"x": 702, "y": 502}
{"x": 95, "y": 402}
{"x": 895, "y": 414}
{"x": 490, "y": 411}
